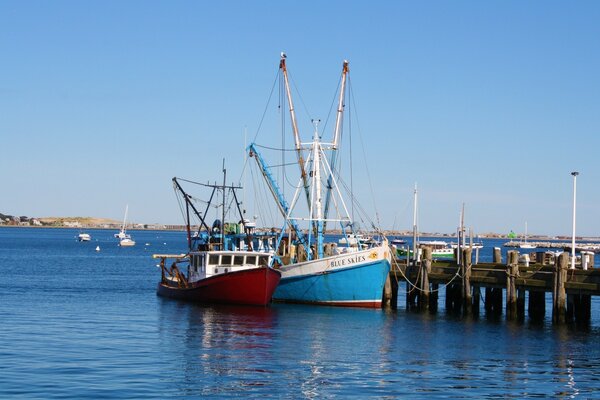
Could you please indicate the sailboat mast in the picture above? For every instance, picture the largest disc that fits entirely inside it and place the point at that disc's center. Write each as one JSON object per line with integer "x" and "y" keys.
{"x": 415, "y": 232}
{"x": 125, "y": 218}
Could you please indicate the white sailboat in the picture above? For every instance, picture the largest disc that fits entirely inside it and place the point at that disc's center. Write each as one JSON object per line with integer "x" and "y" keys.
{"x": 125, "y": 239}
{"x": 524, "y": 244}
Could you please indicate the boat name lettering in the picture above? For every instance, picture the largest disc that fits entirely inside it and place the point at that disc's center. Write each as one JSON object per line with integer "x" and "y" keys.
{"x": 348, "y": 261}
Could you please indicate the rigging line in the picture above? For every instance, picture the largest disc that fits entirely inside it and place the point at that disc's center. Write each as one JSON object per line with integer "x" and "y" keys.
{"x": 300, "y": 96}
{"x": 333, "y": 102}
{"x": 272, "y": 148}
{"x": 351, "y": 160}
{"x": 179, "y": 201}
{"x": 282, "y": 165}
{"x": 266, "y": 106}
{"x": 361, "y": 211}
{"x": 364, "y": 153}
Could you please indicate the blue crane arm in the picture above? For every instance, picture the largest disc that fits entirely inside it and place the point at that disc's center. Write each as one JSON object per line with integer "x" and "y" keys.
{"x": 277, "y": 194}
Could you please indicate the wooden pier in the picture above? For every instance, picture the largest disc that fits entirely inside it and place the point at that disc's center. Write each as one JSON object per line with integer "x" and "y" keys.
{"x": 514, "y": 281}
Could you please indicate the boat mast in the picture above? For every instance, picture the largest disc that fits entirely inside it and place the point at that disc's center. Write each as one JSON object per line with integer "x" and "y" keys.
{"x": 298, "y": 144}
{"x": 415, "y": 233}
{"x": 125, "y": 218}
{"x": 336, "y": 136}
{"x": 316, "y": 205}
{"x": 223, "y": 210}
{"x": 340, "y": 110}
{"x": 189, "y": 204}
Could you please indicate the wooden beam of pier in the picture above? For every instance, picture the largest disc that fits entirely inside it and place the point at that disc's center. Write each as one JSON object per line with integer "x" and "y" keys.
{"x": 536, "y": 277}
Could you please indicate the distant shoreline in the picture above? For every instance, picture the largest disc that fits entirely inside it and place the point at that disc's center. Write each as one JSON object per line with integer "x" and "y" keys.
{"x": 387, "y": 233}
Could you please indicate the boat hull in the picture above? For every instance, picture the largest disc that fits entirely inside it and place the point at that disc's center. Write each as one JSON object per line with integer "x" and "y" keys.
{"x": 247, "y": 287}
{"x": 350, "y": 280}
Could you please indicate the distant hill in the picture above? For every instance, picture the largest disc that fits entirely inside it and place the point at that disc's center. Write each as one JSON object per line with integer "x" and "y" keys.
{"x": 86, "y": 221}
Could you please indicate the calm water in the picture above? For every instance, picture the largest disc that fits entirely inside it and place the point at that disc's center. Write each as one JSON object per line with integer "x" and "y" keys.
{"x": 77, "y": 323}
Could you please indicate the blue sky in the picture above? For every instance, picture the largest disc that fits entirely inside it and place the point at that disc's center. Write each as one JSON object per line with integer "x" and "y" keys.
{"x": 491, "y": 104}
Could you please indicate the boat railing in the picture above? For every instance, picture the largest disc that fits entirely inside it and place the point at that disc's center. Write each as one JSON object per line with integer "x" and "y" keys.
{"x": 172, "y": 271}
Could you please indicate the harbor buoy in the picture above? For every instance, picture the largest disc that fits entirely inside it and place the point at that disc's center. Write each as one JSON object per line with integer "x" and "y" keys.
{"x": 97, "y": 248}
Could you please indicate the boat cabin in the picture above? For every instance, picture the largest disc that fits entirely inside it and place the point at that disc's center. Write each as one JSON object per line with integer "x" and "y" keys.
{"x": 206, "y": 264}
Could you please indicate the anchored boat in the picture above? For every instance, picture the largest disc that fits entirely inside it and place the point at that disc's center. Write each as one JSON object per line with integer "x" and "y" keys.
{"x": 125, "y": 239}
{"x": 226, "y": 263}
{"x": 313, "y": 271}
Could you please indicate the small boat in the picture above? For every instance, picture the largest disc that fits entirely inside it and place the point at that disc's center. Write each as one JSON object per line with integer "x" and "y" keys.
{"x": 398, "y": 242}
{"x": 222, "y": 265}
{"x": 84, "y": 237}
{"x": 439, "y": 249}
{"x": 357, "y": 240}
{"x": 125, "y": 239}
{"x": 474, "y": 245}
{"x": 315, "y": 272}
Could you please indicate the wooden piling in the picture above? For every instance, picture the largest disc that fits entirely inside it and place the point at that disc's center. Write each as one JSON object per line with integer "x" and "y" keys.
{"x": 559, "y": 298}
{"x": 520, "y": 304}
{"x": 423, "y": 300}
{"x": 497, "y": 255}
{"x": 512, "y": 273}
{"x": 467, "y": 299}
{"x": 537, "y": 305}
{"x": 390, "y": 293}
{"x": 476, "y": 301}
{"x": 488, "y": 300}
{"x": 433, "y": 298}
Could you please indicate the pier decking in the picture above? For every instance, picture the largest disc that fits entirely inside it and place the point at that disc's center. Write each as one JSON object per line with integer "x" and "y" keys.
{"x": 571, "y": 288}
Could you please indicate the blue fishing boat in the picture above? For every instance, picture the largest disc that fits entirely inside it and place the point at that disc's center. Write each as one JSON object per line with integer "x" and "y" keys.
{"x": 313, "y": 271}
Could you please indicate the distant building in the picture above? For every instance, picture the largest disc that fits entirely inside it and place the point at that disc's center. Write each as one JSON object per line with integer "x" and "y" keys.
{"x": 72, "y": 224}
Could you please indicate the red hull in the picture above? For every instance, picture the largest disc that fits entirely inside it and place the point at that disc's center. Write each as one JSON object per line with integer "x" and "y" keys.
{"x": 249, "y": 287}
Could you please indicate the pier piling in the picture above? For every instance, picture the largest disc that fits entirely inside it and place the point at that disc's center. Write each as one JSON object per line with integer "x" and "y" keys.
{"x": 467, "y": 299}
{"x": 423, "y": 300}
{"x": 559, "y": 297}
{"x": 512, "y": 273}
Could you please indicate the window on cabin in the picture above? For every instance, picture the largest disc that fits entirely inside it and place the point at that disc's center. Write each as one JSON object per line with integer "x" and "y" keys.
{"x": 213, "y": 259}
{"x": 226, "y": 260}
{"x": 251, "y": 260}
{"x": 263, "y": 260}
{"x": 238, "y": 260}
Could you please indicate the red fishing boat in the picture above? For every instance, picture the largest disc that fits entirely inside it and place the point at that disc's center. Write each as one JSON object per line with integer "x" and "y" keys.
{"x": 226, "y": 263}
{"x": 229, "y": 277}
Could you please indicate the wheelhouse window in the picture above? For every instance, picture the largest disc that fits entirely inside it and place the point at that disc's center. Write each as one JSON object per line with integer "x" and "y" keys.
{"x": 251, "y": 260}
{"x": 263, "y": 260}
{"x": 226, "y": 260}
{"x": 213, "y": 259}
{"x": 238, "y": 260}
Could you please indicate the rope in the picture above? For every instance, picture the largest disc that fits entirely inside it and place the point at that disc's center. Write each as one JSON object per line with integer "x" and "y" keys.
{"x": 413, "y": 285}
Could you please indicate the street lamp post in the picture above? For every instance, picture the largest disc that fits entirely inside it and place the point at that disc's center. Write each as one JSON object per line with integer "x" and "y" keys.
{"x": 574, "y": 173}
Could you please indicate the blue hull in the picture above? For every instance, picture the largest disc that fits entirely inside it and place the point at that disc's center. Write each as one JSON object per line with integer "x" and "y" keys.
{"x": 356, "y": 286}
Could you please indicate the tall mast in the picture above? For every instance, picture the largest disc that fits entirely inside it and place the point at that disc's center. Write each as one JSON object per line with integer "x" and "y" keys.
{"x": 336, "y": 134}
{"x": 223, "y": 211}
{"x": 340, "y": 110}
{"x": 415, "y": 232}
{"x": 317, "y": 214}
{"x": 125, "y": 217}
{"x": 298, "y": 144}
